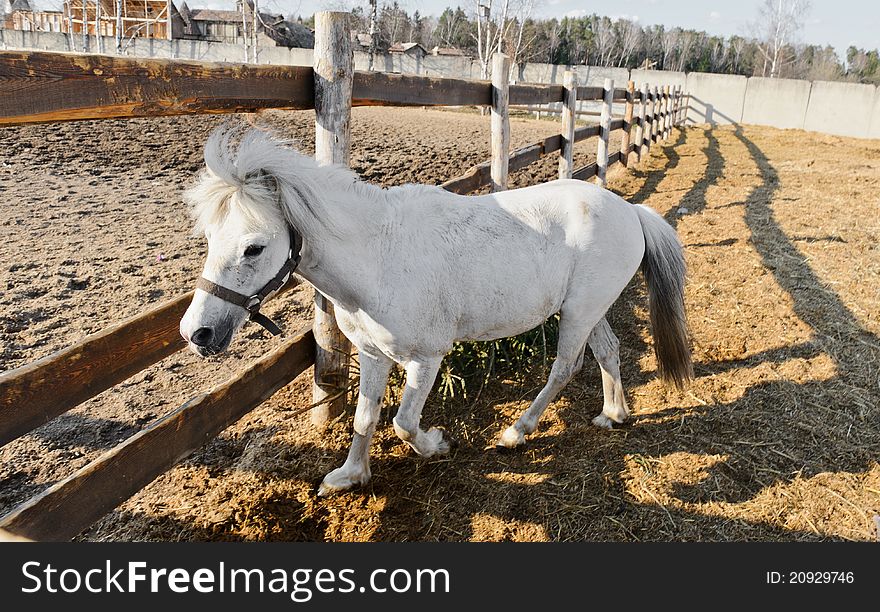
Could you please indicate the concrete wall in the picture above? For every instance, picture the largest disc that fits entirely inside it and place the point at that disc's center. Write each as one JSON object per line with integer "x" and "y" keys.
{"x": 874, "y": 123}
{"x": 835, "y": 108}
{"x": 658, "y": 77}
{"x": 778, "y": 103}
{"x": 840, "y": 108}
{"x": 552, "y": 73}
{"x": 715, "y": 98}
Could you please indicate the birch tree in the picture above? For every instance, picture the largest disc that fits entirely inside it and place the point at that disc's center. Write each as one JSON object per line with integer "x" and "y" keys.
{"x": 780, "y": 20}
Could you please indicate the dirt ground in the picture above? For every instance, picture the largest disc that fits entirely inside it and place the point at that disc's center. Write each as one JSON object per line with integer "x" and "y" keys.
{"x": 777, "y": 439}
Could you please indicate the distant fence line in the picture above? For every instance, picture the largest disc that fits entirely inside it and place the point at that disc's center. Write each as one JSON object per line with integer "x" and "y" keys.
{"x": 844, "y": 109}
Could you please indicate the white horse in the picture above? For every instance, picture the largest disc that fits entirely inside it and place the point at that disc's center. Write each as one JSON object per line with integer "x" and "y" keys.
{"x": 413, "y": 269}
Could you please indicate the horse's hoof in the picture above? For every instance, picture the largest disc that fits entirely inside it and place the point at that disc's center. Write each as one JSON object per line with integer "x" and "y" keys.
{"x": 438, "y": 442}
{"x": 511, "y": 438}
{"x": 342, "y": 479}
{"x": 603, "y": 421}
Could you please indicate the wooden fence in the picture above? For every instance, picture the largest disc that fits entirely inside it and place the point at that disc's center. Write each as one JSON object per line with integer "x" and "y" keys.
{"x": 43, "y": 87}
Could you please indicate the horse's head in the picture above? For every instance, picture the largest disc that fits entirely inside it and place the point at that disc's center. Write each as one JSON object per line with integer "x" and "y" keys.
{"x": 236, "y": 205}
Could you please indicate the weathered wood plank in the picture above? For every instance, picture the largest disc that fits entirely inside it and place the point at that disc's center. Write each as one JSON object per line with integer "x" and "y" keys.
{"x": 500, "y": 120}
{"x": 640, "y": 132}
{"x": 616, "y": 124}
{"x": 535, "y": 94}
{"x": 68, "y": 507}
{"x": 664, "y": 126}
{"x": 333, "y": 74}
{"x": 479, "y": 176}
{"x": 627, "y": 122}
{"x": 587, "y": 131}
{"x": 36, "y": 393}
{"x": 620, "y": 94}
{"x": 655, "y": 117}
{"x": 384, "y": 89}
{"x": 592, "y": 92}
{"x": 476, "y": 177}
{"x": 605, "y": 123}
{"x": 551, "y": 144}
{"x": 586, "y": 172}
{"x": 569, "y": 82}
{"x": 521, "y": 158}
{"x": 40, "y": 87}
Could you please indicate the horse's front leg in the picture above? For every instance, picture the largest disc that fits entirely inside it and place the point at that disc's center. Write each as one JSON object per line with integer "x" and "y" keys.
{"x": 356, "y": 469}
{"x": 420, "y": 375}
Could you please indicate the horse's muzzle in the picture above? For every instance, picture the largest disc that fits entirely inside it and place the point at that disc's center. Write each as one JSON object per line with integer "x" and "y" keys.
{"x": 207, "y": 341}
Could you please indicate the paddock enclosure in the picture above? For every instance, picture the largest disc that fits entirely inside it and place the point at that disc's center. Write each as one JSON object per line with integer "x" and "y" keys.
{"x": 776, "y": 439}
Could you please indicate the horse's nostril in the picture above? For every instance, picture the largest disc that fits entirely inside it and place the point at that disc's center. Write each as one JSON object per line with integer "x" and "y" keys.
{"x": 202, "y": 336}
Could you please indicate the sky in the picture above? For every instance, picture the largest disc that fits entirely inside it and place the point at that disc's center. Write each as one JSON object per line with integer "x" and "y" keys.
{"x": 839, "y": 23}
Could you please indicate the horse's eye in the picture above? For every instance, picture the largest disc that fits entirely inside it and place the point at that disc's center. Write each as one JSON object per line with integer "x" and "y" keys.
{"x": 253, "y": 250}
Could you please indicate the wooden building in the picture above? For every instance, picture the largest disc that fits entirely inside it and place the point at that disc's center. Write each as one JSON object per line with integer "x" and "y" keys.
{"x": 21, "y": 15}
{"x": 136, "y": 18}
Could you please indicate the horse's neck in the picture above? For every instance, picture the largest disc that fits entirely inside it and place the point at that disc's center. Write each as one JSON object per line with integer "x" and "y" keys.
{"x": 339, "y": 257}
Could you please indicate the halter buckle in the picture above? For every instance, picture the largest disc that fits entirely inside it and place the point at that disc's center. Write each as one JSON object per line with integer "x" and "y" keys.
{"x": 253, "y": 303}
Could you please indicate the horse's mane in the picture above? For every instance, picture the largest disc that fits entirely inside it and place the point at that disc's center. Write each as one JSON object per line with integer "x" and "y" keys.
{"x": 266, "y": 180}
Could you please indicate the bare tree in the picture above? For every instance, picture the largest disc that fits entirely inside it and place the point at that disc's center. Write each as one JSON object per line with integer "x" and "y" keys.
{"x": 737, "y": 45}
{"x": 630, "y": 37}
{"x": 491, "y": 31}
{"x": 669, "y": 44}
{"x": 780, "y": 21}
{"x": 523, "y": 15}
{"x": 605, "y": 40}
{"x": 688, "y": 41}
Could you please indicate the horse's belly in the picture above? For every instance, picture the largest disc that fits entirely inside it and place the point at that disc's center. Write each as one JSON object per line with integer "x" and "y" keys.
{"x": 503, "y": 316}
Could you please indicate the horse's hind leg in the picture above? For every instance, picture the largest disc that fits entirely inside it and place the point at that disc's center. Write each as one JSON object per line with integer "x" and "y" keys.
{"x": 606, "y": 349}
{"x": 573, "y": 332}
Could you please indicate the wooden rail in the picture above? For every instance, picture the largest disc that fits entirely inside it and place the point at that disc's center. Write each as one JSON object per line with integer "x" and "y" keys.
{"x": 40, "y": 87}
{"x": 34, "y": 394}
{"x": 382, "y": 89}
{"x": 68, "y": 507}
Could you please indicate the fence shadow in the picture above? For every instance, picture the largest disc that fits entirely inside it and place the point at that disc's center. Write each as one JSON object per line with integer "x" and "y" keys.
{"x": 652, "y": 178}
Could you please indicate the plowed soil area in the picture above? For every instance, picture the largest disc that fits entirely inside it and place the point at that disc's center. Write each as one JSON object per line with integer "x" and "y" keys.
{"x": 778, "y": 438}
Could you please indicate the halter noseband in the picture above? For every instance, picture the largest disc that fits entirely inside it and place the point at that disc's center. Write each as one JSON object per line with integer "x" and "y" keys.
{"x": 253, "y": 303}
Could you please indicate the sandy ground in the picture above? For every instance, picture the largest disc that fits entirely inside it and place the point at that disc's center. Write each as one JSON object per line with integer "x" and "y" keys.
{"x": 777, "y": 439}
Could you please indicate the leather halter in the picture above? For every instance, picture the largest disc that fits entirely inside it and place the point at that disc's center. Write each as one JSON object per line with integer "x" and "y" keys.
{"x": 253, "y": 303}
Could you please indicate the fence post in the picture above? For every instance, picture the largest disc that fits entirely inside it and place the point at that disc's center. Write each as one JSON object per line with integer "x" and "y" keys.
{"x": 334, "y": 73}
{"x": 500, "y": 120}
{"x": 661, "y": 127}
{"x": 641, "y": 149}
{"x": 650, "y": 126}
{"x": 605, "y": 129}
{"x": 569, "y": 107}
{"x": 655, "y": 120}
{"x": 674, "y": 108}
{"x": 627, "y": 124}
{"x": 687, "y": 107}
{"x": 672, "y": 123}
{"x": 680, "y": 106}
{"x": 667, "y": 108}
{"x": 678, "y": 97}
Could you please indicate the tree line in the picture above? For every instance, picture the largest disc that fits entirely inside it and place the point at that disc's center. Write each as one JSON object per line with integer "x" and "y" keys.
{"x": 600, "y": 41}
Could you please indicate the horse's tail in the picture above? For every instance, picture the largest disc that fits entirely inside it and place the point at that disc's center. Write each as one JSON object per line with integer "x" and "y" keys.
{"x": 664, "y": 269}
